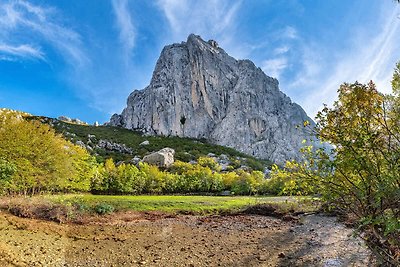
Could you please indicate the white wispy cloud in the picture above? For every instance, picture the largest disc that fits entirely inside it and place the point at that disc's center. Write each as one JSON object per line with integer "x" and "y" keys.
{"x": 281, "y": 50}
{"x": 371, "y": 57}
{"x": 8, "y": 52}
{"x": 289, "y": 32}
{"x": 124, "y": 21}
{"x": 274, "y": 67}
{"x": 214, "y": 19}
{"x": 25, "y": 22}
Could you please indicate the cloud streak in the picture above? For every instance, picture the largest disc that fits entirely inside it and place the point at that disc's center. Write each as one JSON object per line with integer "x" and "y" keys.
{"x": 274, "y": 67}
{"x": 36, "y": 24}
{"x": 215, "y": 19}
{"x": 369, "y": 58}
{"x": 8, "y": 52}
{"x": 125, "y": 25}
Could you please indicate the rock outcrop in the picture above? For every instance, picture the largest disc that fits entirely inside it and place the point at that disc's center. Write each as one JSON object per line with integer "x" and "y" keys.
{"x": 197, "y": 90}
{"x": 111, "y": 146}
{"x": 163, "y": 158}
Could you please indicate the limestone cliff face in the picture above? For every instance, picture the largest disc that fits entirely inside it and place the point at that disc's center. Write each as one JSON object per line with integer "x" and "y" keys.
{"x": 199, "y": 91}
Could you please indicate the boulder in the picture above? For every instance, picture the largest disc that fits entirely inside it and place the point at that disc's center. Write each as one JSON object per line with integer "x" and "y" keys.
{"x": 163, "y": 158}
{"x": 135, "y": 160}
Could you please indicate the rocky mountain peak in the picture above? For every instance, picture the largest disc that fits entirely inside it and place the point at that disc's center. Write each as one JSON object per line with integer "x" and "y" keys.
{"x": 197, "y": 90}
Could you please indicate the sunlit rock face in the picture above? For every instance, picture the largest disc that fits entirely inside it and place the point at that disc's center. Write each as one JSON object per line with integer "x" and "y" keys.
{"x": 199, "y": 91}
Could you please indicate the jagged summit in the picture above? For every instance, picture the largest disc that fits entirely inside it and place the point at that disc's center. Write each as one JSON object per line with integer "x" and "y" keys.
{"x": 197, "y": 90}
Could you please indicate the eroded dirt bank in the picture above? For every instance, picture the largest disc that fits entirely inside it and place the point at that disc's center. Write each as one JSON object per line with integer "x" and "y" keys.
{"x": 136, "y": 240}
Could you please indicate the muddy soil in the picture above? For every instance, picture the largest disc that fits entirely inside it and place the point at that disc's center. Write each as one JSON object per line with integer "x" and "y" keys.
{"x": 133, "y": 239}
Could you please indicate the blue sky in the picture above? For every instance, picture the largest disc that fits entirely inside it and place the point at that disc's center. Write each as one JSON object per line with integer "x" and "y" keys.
{"x": 83, "y": 58}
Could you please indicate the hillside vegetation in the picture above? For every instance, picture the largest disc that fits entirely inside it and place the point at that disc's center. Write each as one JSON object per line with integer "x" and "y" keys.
{"x": 34, "y": 158}
{"x": 186, "y": 149}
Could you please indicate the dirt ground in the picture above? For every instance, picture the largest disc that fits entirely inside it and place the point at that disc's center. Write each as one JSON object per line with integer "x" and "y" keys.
{"x": 133, "y": 239}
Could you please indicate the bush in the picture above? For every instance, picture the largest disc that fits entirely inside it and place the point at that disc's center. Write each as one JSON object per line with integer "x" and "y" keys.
{"x": 289, "y": 181}
{"x": 209, "y": 163}
{"x": 103, "y": 208}
{"x": 247, "y": 183}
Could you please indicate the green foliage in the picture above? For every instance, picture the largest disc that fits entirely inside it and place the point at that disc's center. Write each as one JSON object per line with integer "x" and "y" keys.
{"x": 198, "y": 177}
{"x": 209, "y": 162}
{"x": 247, "y": 183}
{"x": 289, "y": 181}
{"x": 186, "y": 149}
{"x": 193, "y": 204}
{"x": 103, "y": 208}
{"x": 396, "y": 79}
{"x": 124, "y": 179}
{"x": 83, "y": 168}
{"x": 42, "y": 159}
{"x": 7, "y": 170}
{"x": 182, "y": 177}
{"x": 361, "y": 176}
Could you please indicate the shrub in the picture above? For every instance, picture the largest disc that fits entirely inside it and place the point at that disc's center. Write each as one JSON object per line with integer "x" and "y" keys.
{"x": 247, "y": 183}
{"x": 209, "y": 162}
{"x": 103, "y": 208}
{"x": 288, "y": 181}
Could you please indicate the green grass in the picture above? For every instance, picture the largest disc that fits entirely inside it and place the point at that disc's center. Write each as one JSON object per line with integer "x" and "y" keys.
{"x": 181, "y": 204}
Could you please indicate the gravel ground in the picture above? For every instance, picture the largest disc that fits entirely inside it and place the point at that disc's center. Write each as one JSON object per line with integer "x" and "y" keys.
{"x": 133, "y": 239}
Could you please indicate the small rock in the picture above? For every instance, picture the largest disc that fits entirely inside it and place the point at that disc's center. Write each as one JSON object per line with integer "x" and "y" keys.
{"x": 262, "y": 258}
{"x": 80, "y": 143}
{"x": 223, "y": 157}
{"x": 135, "y": 160}
{"x": 144, "y": 143}
{"x": 333, "y": 263}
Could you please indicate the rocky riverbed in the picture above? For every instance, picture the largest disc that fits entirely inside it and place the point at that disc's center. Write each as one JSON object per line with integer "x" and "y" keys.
{"x": 152, "y": 239}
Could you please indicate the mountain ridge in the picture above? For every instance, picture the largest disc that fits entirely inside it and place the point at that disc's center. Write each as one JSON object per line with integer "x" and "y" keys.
{"x": 197, "y": 90}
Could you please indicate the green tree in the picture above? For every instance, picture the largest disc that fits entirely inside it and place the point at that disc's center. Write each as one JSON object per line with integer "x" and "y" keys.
{"x": 43, "y": 159}
{"x": 362, "y": 175}
{"x": 7, "y": 170}
{"x": 247, "y": 183}
{"x": 291, "y": 179}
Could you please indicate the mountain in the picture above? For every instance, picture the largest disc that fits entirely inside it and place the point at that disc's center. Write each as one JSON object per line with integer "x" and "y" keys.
{"x": 197, "y": 90}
